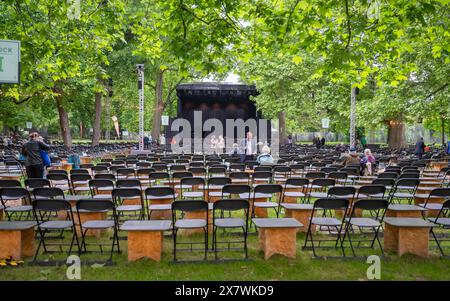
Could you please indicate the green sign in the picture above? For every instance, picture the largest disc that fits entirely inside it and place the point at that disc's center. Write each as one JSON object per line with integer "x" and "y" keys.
{"x": 9, "y": 62}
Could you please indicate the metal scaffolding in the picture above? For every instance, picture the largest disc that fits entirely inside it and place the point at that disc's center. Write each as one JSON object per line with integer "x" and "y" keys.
{"x": 140, "y": 69}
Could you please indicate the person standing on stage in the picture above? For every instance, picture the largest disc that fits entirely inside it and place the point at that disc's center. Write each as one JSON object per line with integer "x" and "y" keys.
{"x": 32, "y": 152}
{"x": 248, "y": 148}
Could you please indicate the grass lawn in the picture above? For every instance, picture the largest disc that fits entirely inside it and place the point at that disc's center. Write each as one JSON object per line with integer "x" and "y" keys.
{"x": 304, "y": 267}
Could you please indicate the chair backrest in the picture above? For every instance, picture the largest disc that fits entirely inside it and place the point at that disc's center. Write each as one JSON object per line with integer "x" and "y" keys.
{"x": 268, "y": 188}
{"x": 237, "y": 167}
{"x": 80, "y": 177}
{"x": 105, "y": 176}
{"x": 341, "y": 191}
{"x": 331, "y": 204}
{"x": 56, "y": 171}
{"x": 181, "y": 174}
{"x": 58, "y": 177}
{"x": 145, "y": 171}
{"x": 323, "y": 182}
{"x": 126, "y": 171}
{"x": 159, "y": 175}
{"x": 189, "y": 205}
{"x": 126, "y": 193}
{"x": 79, "y": 171}
{"x": 297, "y": 182}
{"x": 440, "y": 192}
{"x": 100, "y": 183}
{"x": 239, "y": 175}
{"x": 231, "y": 204}
{"x": 384, "y": 182}
{"x": 407, "y": 183}
{"x": 51, "y": 205}
{"x": 337, "y": 175}
{"x": 99, "y": 168}
{"x": 315, "y": 175}
{"x": 409, "y": 176}
{"x": 191, "y": 181}
{"x": 128, "y": 183}
{"x": 160, "y": 192}
{"x": 219, "y": 181}
{"x": 262, "y": 168}
{"x": 372, "y": 189}
{"x": 48, "y": 192}
{"x": 235, "y": 189}
{"x": 266, "y": 175}
{"x": 14, "y": 193}
{"x": 376, "y": 206}
{"x": 95, "y": 205}
{"x": 10, "y": 183}
{"x": 388, "y": 175}
{"x": 37, "y": 182}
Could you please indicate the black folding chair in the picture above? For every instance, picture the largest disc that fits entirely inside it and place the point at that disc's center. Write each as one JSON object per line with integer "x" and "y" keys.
{"x": 44, "y": 212}
{"x": 404, "y": 189}
{"x": 371, "y": 191}
{"x": 61, "y": 181}
{"x": 120, "y": 195}
{"x": 107, "y": 206}
{"x": 216, "y": 183}
{"x": 156, "y": 178}
{"x": 158, "y": 193}
{"x": 327, "y": 205}
{"x": 80, "y": 183}
{"x": 320, "y": 187}
{"x": 268, "y": 191}
{"x": 377, "y": 209}
{"x": 179, "y": 209}
{"x": 192, "y": 188}
{"x": 442, "y": 220}
{"x": 16, "y": 194}
{"x": 101, "y": 188}
{"x": 32, "y": 183}
{"x": 301, "y": 186}
{"x": 9, "y": 183}
{"x": 220, "y": 207}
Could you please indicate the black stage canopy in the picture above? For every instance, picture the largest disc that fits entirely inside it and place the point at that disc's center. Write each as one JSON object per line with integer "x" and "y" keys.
{"x": 216, "y": 100}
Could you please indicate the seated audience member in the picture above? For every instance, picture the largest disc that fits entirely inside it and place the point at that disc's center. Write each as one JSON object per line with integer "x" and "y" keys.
{"x": 265, "y": 157}
{"x": 367, "y": 163}
{"x": 351, "y": 158}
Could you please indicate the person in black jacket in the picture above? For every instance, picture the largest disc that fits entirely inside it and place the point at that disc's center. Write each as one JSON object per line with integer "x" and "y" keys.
{"x": 31, "y": 151}
{"x": 419, "y": 148}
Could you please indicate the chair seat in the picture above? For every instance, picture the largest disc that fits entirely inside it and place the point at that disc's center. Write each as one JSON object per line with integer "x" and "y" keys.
{"x": 217, "y": 193}
{"x": 403, "y": 195}
{"x": 256, "y": 195}
{"x": 192, "y": 194}
{"x": 102, "y": 224}
{"x": 19, "y": 208}
{"x": 56, "y": 225}
{"x": 81, "y": 188}
{"x": 160, "y": 207}
{"x": 265, "y": 204}
{"x": 363, "y": 222}
{"x": 229, "y": 222}
{"x": 318, "y": 195}
{"x": 444, "y": 221}
{"x": 365, "y": 196}
{"x": 431, "y": 206}
{"x": 325, "y": 221}
{"x": 129, "y": 208}
{"x": 190, "y": 223}
{"x": 295, "y": 194}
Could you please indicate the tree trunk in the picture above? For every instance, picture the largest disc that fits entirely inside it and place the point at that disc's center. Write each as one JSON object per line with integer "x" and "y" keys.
{"x": 282, "y": 125}
{"x": 81, "y": 130}
{"x": 159, "y": 105}
{"x": 443, "y": 130}
{"x": 396, "y": 133}
{"x": 63, "y": 119}
{"x": 97, "y": 119}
